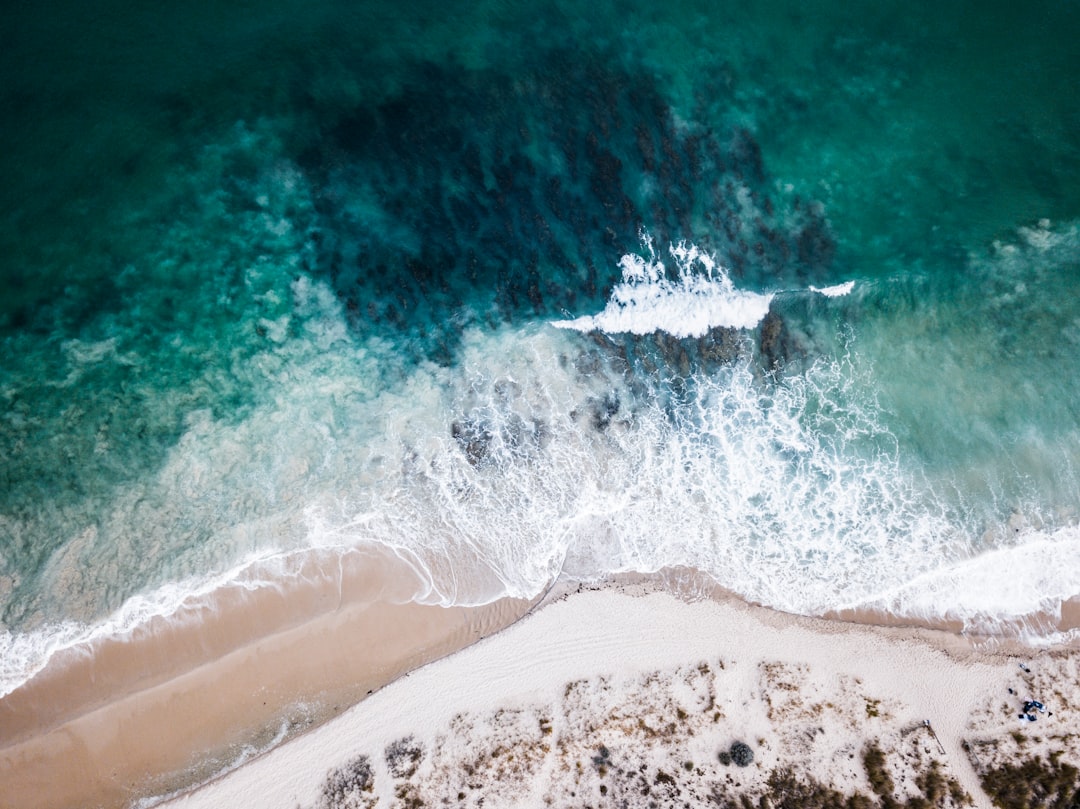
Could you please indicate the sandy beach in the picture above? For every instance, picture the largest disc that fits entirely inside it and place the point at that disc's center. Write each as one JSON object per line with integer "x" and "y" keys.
{"x": 619, "y": 695}
{"x": 627, "y": 696}
{"x": 148, "y": 715}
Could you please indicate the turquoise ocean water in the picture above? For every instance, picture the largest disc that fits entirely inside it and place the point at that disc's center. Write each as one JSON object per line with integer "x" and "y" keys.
{"x": 777, "y": 293}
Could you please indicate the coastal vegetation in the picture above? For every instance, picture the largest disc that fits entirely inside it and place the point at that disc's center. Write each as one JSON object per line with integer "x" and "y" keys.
{"x": 349, "y": 786}
{"x": 1033, "y": 783}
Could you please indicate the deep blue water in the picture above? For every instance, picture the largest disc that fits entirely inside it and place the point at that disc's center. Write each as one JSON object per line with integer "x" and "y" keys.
{"x": 280, "y": 277}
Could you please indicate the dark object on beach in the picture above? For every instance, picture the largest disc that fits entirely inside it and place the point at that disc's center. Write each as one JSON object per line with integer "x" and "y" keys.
{"x": 929, "y": 727}
{"x": 741, "y": 754}
{"x": 602, "y": 758}
{"x": 725, "y": 757}
{"x": 1029, "y": 710}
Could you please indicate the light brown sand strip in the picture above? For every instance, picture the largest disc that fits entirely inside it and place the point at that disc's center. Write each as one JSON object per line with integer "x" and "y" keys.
{"x": 155, "y": 713}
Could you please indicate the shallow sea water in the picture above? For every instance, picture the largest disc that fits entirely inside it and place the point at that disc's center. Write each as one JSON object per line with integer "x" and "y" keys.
{"x": 773, "y": 293}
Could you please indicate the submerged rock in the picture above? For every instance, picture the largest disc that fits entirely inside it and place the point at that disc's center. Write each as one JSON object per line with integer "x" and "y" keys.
{"x": 474, "y": 439}
{"x": 604, "y": 410}
{"x": 773, "y": 342}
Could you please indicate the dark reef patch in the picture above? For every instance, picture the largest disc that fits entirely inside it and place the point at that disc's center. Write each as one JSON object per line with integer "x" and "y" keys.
{"x": 470, "y": 196}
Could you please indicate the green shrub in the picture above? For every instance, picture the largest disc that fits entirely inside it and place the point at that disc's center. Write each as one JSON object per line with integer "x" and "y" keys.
{"x": 1033, "y": 784}
{"x": 880, "y": 780}
{"x": 741, "y": 754}
{"x": 788, "y": 792}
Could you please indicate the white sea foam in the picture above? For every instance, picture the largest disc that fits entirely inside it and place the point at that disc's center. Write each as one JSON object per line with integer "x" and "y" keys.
{"x": 535, "y": 455}
{"x": 697, "y": 297}
{"x": 835, "y": 291}
{"x": 1016, "y": 582}
{"x": 700, "y": 297}
{"x": 24, "y": 654}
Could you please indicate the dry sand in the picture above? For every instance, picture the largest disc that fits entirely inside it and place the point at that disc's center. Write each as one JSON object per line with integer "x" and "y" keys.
{"x": 620, "y": 696}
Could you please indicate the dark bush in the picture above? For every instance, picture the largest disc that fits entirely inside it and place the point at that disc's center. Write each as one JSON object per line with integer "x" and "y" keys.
{"x": 403, "y": 757}
{"x": 1033, "y": 784}
{"x": 344, "y": 785}
{"x": 741, "y": 754}
{"x": 880, "y": 780}
{"x": 788, "y": 792}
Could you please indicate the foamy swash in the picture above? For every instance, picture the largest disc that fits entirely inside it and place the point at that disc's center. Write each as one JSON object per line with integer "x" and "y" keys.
{"x": 540, "y": 454}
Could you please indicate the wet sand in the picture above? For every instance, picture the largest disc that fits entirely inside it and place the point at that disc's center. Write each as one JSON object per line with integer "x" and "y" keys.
{"x": 1057, "y": 624}
{"x": 166, "y": 710}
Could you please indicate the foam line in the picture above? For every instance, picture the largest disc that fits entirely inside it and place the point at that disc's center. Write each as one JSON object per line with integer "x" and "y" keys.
{"x": 538, "y": 453}
{"x": 1031, "y": 577}
{"x": 697, "y": 297}
{"x": 700, "y": 297}
{"x": 835, "y": 291}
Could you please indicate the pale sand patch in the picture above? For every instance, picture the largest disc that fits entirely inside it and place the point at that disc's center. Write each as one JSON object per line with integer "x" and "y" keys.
{"x": 186, "y": 697}
{"x": 556, "y": 708}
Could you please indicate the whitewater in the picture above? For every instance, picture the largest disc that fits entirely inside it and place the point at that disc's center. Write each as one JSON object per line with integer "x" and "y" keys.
{"x": 544, "y": 452}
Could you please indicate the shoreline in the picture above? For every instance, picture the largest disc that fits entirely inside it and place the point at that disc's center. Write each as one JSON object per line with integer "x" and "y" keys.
{"x": 154, "y": 715}
{"x": 161, "y": 716}
{"x": 626, "y": 690}
{"x": 87, "y": 676}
